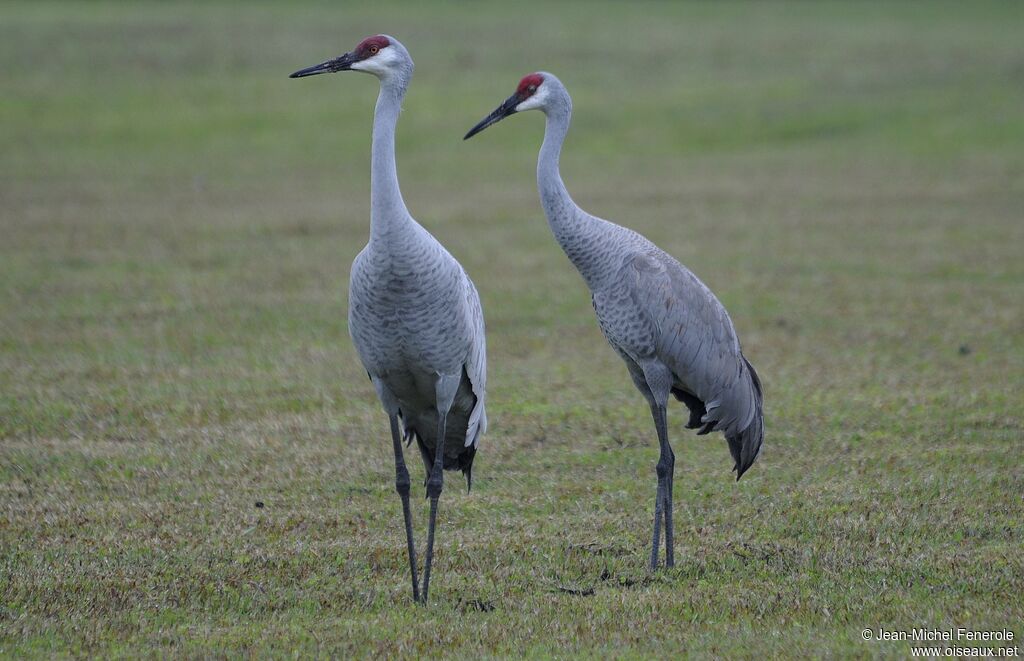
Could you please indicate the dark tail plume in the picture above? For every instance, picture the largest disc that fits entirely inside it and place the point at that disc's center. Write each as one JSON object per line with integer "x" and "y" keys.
{"x": 745, "y": 446}
{"x": 695, "y": 406}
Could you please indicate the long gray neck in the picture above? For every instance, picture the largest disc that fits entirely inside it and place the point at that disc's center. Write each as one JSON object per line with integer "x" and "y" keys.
{"x": 576, "y": 231}
{"x": 387, "y": 208}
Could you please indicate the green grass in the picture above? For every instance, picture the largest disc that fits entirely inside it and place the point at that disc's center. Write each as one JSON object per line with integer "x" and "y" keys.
{"x": 177, "y": 220}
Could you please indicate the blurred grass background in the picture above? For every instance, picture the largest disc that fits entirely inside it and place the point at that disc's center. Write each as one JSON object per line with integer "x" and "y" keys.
{"x": 177, "y": 220}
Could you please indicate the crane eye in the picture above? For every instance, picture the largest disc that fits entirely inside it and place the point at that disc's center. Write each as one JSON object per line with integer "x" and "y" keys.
{"x": 532, "y": 88}
{"x": 373, "y": 50}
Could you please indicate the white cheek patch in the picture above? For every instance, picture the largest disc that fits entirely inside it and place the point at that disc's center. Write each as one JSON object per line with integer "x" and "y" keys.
{"x": 379, "y": 63}
{"x": 535, "y": 101}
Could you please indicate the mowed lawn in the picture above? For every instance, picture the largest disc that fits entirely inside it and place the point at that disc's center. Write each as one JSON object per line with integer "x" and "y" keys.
{"x": 192, "y": 461}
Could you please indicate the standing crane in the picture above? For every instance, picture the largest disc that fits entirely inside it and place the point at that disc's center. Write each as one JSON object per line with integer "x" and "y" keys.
{"x": 674, "y": 335}
{"x": 414, "y": 314}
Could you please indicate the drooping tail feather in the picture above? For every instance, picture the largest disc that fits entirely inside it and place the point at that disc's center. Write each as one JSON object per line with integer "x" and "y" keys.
{"x": 745, "y": 446}
{"x": 695, "y": 406}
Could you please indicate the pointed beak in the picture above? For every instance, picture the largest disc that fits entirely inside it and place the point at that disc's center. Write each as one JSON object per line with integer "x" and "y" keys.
{"x": 343, "y": 63}
{"x": 501, "y": 112}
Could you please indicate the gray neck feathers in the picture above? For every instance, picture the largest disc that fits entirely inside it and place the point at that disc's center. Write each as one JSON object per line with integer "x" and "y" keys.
{"x": 581, "y": 235}
{"x": 387, "y": 208}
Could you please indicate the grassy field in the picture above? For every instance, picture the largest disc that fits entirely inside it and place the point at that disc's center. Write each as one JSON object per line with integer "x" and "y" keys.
{"x": 192, "y": 461}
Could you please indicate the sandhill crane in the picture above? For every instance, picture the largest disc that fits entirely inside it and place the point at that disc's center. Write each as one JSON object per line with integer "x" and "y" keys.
{"x": 674, "y": 335}
{"x": 414, "y": 314}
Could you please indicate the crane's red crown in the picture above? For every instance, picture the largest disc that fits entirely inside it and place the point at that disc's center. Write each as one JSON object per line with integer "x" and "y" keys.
{"x": 371, "y": 46}
{"x": 529, "y": 84}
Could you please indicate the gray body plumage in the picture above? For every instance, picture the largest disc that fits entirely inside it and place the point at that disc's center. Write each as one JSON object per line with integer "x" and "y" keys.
{"x": 672, "y": 332}
{"x": 414, "y": 314}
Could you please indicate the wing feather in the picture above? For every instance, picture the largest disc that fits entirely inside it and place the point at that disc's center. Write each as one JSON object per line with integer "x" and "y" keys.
{"x": 476, "y": 364}
{"x": 695, "y": 338}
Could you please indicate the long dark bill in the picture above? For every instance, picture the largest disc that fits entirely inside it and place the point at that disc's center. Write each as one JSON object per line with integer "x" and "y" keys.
{"x": 501, "y": 112}
{"x": 342, "y": 63}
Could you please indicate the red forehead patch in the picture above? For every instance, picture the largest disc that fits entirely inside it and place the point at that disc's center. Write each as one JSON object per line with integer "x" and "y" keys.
{"x": 371, "y": 45}
{"x": 532, "y": 81}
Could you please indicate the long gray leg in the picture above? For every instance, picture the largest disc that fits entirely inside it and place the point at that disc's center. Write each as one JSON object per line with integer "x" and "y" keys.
{"x": 666, "y": 468}
{"x": 445, "y": 394}
{"x": 654, "y": 380}
{"x": 659, "y": 505}
{"x": 402, "y": 482}
{"x": 402, "y": 485}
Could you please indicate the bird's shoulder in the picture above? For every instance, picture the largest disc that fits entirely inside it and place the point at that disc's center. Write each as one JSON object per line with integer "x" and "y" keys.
{"x": 675, "y": 302}
{"x": 651, "y": 264}
{"x": 360, "y": 258}
{"x": 655, "y": 277}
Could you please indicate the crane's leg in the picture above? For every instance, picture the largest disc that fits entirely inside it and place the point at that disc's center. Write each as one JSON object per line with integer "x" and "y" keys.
{"x": 445, "y": 394}
{"x": 666, "y": 469}
{"x": 435, "y": 484}
{"x": 659, "y": 504}
{"x": 654, "y": 380}
{"x": 402, "y": 482}
{"x": 402, "y": 486}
